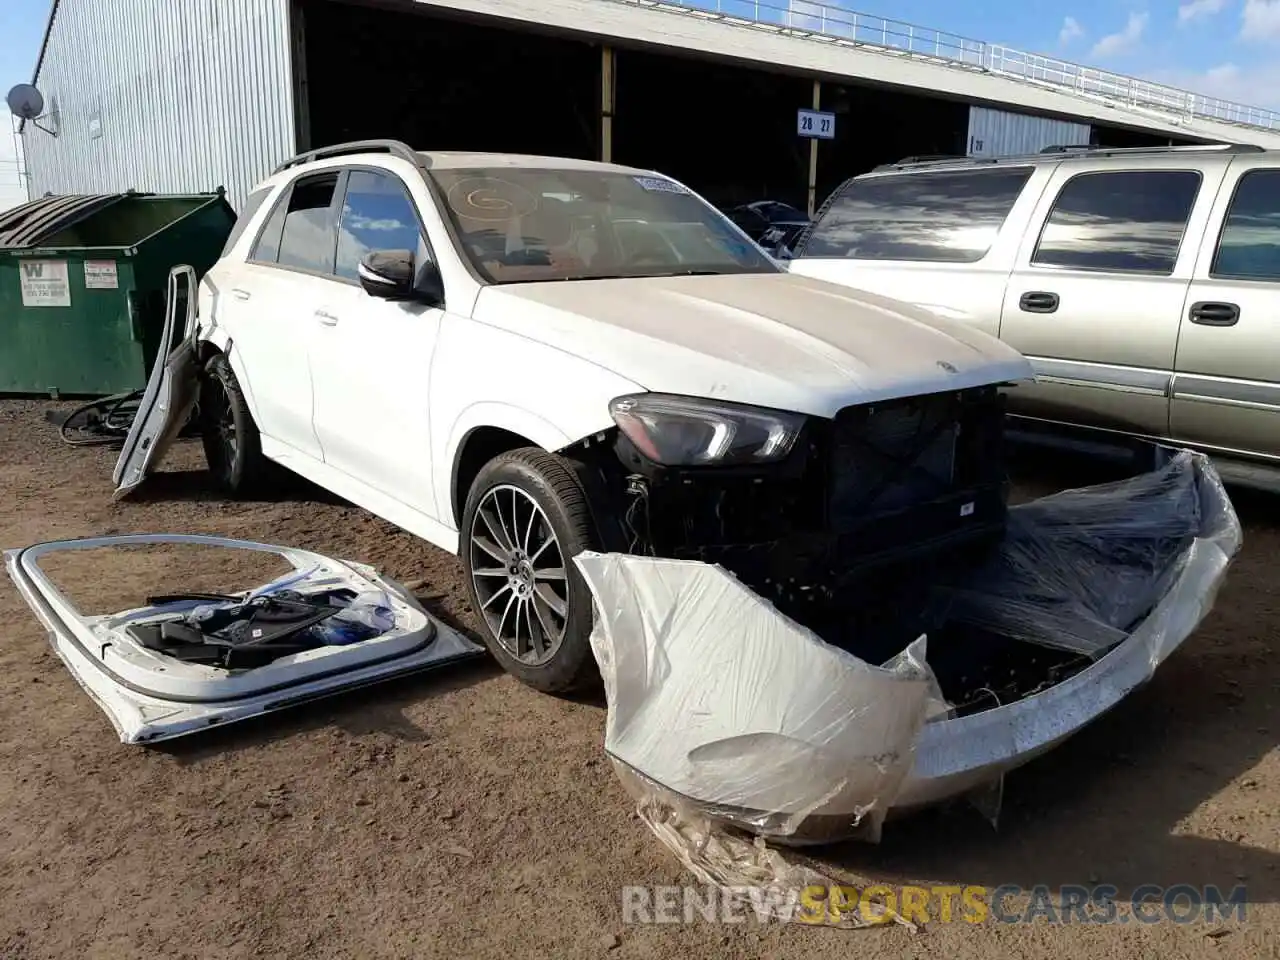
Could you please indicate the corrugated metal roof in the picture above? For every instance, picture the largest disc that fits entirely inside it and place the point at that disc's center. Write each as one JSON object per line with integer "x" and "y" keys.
{"x": 28, "y": 224}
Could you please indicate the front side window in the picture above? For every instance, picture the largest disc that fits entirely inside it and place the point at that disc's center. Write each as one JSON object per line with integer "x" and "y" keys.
{"x": 377, "y": 214}
{"x": 524, "y": 224}
{"x": 943, "y": 216}
{"x": 1249, "y": 247}
{"x": 1129, "y": 221}
{"x": 309, "y": 236}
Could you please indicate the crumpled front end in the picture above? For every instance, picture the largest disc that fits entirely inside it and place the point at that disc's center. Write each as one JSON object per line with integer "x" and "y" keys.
{"x": 722, "y": 706}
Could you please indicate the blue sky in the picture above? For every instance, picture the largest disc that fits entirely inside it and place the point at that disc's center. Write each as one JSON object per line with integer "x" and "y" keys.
{"x": 1225, "y": 48}
{"x": 21, "y": 27}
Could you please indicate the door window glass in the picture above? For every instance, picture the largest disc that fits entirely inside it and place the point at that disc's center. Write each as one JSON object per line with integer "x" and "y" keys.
{"x": 309, "y": 235}
{"x": 1129, "y": 221}
{"x": 377, "y": 214}
{"x": 1249, "y": 248}
{"x": 949, "y": 216}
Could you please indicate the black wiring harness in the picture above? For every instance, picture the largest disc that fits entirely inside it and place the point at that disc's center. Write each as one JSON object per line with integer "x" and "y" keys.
{"x": 99, "y": 422}
{"x": 105, "y": 421}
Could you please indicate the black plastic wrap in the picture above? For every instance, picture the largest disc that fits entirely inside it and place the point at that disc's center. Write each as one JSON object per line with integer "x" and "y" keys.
{"x": 1078, "y": 569}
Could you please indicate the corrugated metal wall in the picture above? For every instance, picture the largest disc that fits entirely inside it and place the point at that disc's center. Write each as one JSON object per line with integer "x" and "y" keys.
{"x": 163, "y": 96}
{"x": 998, "y": 133}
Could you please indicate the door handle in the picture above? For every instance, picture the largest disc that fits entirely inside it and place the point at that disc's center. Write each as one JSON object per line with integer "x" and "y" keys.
{"x": 239, "y": 294}
{"x": 1038, "y": 301}
{"x": 328, "y": 319}
{"x": 1210, "y": 314}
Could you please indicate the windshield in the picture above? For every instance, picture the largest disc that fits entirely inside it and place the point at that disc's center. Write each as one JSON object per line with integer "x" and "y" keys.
{"x": 523, "y": 225}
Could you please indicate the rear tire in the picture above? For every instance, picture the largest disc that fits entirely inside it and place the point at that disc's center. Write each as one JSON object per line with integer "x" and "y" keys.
{"x": 232, "y": 444}
{"x": 526, "y": 517}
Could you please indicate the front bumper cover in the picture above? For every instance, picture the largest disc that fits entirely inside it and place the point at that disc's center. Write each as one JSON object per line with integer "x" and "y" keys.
{"x": 721, "y": 705}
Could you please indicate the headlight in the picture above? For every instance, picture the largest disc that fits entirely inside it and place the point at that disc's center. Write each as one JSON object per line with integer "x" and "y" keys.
{"x": 686, "y": 431}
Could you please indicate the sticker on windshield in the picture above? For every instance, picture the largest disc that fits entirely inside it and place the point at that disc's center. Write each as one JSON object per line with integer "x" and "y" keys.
{"x": 660, "y": 185}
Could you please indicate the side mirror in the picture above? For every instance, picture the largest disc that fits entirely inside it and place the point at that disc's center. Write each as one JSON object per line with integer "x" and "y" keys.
{"x": 392, "y": 275}
{"x": 387, "y": 274}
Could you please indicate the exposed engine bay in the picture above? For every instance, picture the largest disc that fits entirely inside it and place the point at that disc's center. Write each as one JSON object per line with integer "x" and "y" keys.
{"x": 882, "y": 525}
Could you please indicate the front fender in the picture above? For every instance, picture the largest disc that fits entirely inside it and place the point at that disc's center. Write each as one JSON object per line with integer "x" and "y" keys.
{"x": 533, "y": 426}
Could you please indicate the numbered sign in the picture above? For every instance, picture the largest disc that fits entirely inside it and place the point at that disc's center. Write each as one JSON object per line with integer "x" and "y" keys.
{"x": 816, "y": 124}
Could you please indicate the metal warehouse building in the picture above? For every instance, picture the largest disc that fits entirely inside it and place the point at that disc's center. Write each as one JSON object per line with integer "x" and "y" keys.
{"x": 186, "y": 96}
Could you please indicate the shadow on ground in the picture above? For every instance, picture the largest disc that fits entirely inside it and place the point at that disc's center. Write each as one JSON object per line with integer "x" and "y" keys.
{"x": 198, "y": 486}
{"x": 364, "y": 712}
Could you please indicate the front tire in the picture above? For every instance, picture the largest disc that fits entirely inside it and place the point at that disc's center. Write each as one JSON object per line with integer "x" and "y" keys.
{"x": 232, "y": 445}
{"x": 526, "y": 517}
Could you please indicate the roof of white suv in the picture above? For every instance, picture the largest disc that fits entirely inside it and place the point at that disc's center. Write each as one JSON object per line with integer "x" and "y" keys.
{"x": 364, "y": 150}
{"x": 452, "y": 160}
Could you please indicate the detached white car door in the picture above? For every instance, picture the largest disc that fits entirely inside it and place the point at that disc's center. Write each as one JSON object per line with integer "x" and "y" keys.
{"x": 371, "y": 358}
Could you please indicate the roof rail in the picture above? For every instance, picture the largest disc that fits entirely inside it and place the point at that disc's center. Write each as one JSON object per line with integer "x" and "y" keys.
{"x": 926, "y": 157}
{"x": 396, "y": 148}
{"x": 1091, "y": 151}
{"x": 1181, "y": 148}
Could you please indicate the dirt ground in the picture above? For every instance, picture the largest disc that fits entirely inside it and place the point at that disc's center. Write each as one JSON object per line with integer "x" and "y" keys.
{"x": 463, "y": 815}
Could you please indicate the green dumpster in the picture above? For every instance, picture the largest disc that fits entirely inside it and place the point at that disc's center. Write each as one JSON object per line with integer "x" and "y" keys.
{"x": 82, "y": 285}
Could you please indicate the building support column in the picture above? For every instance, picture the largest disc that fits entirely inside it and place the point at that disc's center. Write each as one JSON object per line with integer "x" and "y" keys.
{"x": 813, "y": 153}
{"x": 607, "y": 102}
{"x": 301, "y": 94}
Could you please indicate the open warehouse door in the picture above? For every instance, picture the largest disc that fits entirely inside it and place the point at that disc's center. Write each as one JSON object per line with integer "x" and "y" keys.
{"x": 407, "y": 72}
{"x": 441, "y": 80}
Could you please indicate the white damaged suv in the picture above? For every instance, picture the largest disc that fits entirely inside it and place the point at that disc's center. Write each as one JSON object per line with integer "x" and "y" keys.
{"x": 519, "y": 358}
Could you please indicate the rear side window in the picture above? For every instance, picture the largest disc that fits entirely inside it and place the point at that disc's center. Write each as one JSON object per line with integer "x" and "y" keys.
{"x": 251, "y": 206}
{"x": 267, "y": 247}
{"x": 310, "y": 233}
{"x": 1249, "y": 247}
{"x": 942, "y": 216}
{"x": 1129, "y": 221}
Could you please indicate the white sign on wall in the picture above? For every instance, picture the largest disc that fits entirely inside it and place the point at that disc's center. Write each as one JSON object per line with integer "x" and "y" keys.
{"x": 816, "y": 124}
{"x": 100, "y": 275}
{"x": 44, "y": 283}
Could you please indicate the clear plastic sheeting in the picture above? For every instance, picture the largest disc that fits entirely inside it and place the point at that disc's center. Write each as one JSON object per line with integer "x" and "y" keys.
{"x": 759, "y": 877}
{"x": 721, "y": 698}
{"x": 1081, "y": 569}
{"x": 721, "y": 708}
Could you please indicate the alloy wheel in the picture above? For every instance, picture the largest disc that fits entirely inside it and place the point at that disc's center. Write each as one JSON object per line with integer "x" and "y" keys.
{"x": 518, "y": 574}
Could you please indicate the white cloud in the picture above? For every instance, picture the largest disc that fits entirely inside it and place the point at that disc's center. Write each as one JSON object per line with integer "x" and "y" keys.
{"x": 1257, "y": 86}
{"x": 1071, "y": 30}
{"x": 1196, "y": 9}
{"x": 1261, "y": 20}
{"x": 1126, "y": 39}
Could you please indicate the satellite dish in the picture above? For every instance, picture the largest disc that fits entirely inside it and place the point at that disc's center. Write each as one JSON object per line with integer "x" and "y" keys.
{"x": 25, "y": 102}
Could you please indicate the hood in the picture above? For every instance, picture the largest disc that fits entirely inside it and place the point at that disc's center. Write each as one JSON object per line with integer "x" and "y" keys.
{"x": 775, "y": 340}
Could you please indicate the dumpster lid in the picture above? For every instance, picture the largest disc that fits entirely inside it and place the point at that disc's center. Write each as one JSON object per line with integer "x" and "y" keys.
{"x": 26, "y": 225}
